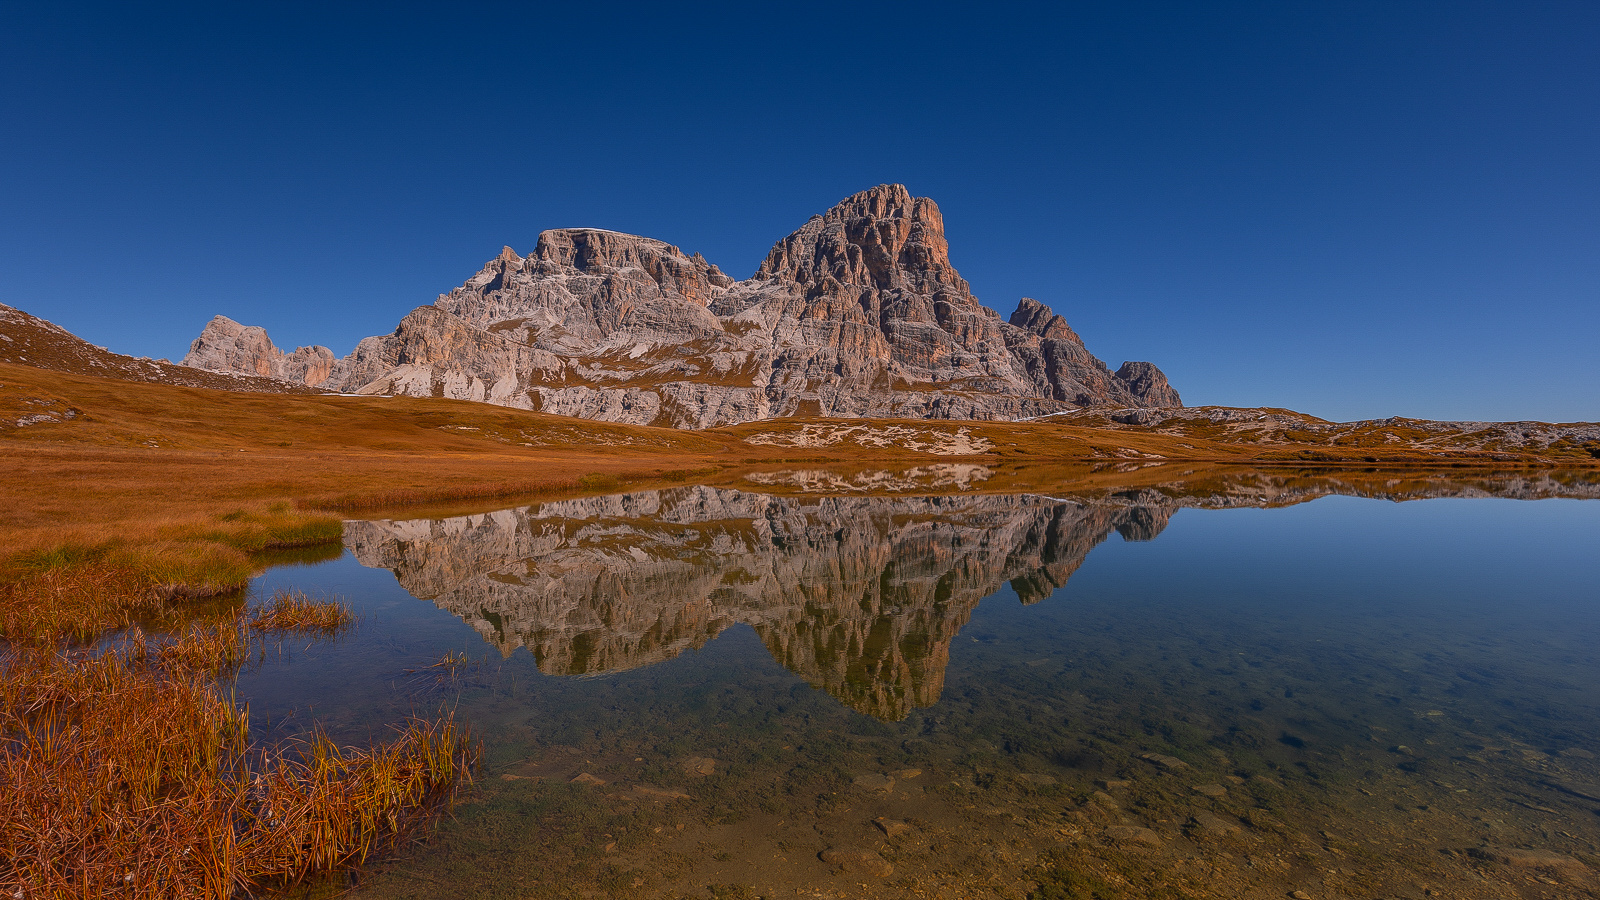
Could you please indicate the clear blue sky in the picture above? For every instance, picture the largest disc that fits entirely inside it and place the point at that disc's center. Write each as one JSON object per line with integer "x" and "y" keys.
{"x": 1355, "y": 210}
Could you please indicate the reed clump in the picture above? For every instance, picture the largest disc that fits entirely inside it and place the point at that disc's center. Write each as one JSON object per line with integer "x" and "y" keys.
{"x": 294, "y": 611}
{"x": 96, "y": 583}
{"x": 130, "y": 771}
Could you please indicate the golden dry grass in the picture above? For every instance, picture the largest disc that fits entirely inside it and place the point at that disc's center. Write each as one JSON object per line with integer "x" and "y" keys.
{"x": 131, "y": 773}
{"x": 151, "y": 491}
{"x": 293, "y": 611}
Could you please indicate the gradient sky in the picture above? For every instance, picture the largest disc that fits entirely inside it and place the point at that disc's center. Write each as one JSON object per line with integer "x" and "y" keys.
{"x": 1354, "y": 210}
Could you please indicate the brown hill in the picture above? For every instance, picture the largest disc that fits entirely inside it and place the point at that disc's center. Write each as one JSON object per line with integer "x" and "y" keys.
{"x": 31, "y": 341}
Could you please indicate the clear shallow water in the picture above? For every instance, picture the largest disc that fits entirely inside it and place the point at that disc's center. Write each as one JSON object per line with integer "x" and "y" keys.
{"x": 801, "y": 696}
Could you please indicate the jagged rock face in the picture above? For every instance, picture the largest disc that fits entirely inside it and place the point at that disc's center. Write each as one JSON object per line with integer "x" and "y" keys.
{"x": 226, "y": 346}
{"x": 1148, "y": 385}
{"x": 1060, "y": 360}
{"x": 861, "y": 596}
{"x": 858, "y": 313}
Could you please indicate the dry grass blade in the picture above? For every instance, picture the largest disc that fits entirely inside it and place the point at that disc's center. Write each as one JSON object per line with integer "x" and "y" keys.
{"x": 452, "y": 671}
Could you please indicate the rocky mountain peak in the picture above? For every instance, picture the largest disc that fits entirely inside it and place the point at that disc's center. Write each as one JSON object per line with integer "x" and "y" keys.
{"x": 881, "y": 238}
{"x": 1036, "y": 318}
{"x": 227, "y": 346}
{"x": 1148, "y": 385}
{"x": 597, "y": 250}
{"x": 859, "y": 312}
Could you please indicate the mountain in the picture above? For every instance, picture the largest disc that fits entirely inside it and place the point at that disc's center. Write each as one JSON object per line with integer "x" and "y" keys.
{"x": 858, "y": 313}
{"x": 31, "y": 341}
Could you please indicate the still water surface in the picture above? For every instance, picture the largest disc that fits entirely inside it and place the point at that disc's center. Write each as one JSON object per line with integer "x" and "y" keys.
{"x": 717, "y": 692}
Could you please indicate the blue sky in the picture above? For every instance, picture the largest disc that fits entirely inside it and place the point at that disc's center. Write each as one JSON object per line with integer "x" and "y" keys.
{"x": 1354, "y": 210}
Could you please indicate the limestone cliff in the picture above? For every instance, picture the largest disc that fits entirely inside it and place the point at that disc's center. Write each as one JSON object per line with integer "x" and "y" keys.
{"x": 858, "y": 313}
{"x": 226, "y": 346}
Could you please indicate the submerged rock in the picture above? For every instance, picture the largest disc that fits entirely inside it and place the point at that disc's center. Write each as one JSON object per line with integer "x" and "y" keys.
{"x": 857, "y": 861}
{"x": 892, "y": 827}
{"x": 1213, "y": 825}
{"x": 1164, "y": 761}
{"x": 1134, "y": 834}
{"x": 875, "y": 782}
{"x": 699, "y": 766}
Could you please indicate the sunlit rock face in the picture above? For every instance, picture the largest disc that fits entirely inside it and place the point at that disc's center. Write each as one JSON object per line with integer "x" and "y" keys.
{"x": 226, "y": 346}
{"x": 861, "y": 596}
{"x": 858, "y": 313}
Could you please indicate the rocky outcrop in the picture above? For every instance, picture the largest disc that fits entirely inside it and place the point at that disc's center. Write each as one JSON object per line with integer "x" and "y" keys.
{"x": 1148, "y": 385}
{"x": 1058, "y": 359}
{"x": 858, "y": 313}
{"x": 226, "y": 346}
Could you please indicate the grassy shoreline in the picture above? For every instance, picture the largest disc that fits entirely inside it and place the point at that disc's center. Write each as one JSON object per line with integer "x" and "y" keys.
{"x": 131, "y": 770}
{"x": 127, "y": 515}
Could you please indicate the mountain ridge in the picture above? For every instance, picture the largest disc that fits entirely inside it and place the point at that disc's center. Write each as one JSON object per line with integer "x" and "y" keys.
{"x": 26, "y": 339}
{"x": 858, "y": 313}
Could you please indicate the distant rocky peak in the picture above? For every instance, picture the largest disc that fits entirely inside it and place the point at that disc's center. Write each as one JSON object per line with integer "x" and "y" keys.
{"x": 1148, "y": 385}
{"x": 594, "y": 249}
{"x": 227, "y": 346}
{"x": 496, "y": 271}
{"x": 881, "y": 238}
{"x": 1033, "y": 316}
{"x": 857, "y": 313}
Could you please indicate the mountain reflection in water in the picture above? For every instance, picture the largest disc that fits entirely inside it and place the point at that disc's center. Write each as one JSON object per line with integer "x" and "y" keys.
{"x": 860, "y": 596}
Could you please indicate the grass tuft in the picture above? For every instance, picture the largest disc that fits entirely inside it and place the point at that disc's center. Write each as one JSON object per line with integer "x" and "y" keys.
{"x": 130, "y": 772}
{"x": 293, "y": 611}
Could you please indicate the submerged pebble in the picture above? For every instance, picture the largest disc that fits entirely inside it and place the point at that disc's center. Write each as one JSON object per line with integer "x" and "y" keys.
{"x": 857, "y": 861}
{"x": 1133, "y": 834}
{"x": 874, "y": 782}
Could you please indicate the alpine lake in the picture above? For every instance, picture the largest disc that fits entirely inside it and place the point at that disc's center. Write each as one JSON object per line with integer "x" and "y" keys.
{"x": 899, "y": 684}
